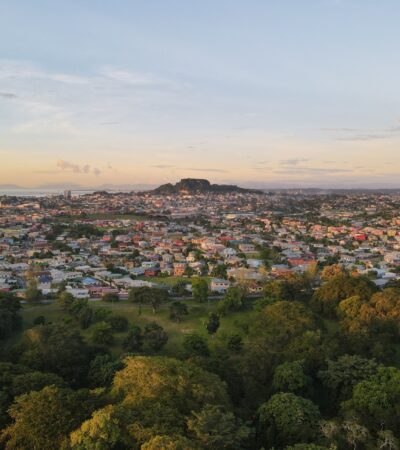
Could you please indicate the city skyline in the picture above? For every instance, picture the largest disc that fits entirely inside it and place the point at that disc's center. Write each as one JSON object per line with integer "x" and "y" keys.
{"x": 261, "y": 94}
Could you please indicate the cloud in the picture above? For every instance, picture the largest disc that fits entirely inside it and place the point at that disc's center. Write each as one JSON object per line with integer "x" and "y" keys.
{"x": 293, "y": 162}
{"x": 199, "y": 169}
{"x": 340, "y": 129}
{"x": 68, "y": 166}
{"x": 131, "y": 77}
{"x": 162, "y": 166}
{"x": 363, "y": 137}
{"x": 8, "y": 95}
{"x": 311, "y": 170}
{"x": 261, "y": 168}
{"x": 371, "y": 134}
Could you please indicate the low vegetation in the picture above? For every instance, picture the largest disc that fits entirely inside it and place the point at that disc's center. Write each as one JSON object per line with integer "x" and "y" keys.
{"x": 299, "y": 368}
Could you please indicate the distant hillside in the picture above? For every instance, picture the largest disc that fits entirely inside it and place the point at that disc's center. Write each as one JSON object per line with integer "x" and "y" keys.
{"x": 198, "y": 186}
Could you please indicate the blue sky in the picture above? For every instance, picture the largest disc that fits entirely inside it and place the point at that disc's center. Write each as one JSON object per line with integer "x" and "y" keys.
{"x": 255, "y": 92}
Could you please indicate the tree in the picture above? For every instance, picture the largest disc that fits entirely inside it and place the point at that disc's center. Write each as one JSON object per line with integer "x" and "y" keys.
{"x": 39, "y": 320}
{"x": 102, "y": 334}
{"x": 65, "y": 300}
{"x": 175, "y": 442}
{"x": 103, "y": 431}
{"x": 327, "y": 297}
{"x": 163, "y": 393}
{"x": 10, "y": 320}
{"x": 309, "y": 447}
{"x": 34, "y": 381}
{"x": 212, "y": 324}
{"x": 77, "y": 308}
{"x": 200, "y": 290}
{"x": 195, "y": 345}
{"x": 101, "y": 314}
{"x": 269, "y": 256}
{"x": 235, "y": 343}
{"x": 332, "y": 271}
{"x": 387, "y": 440}
{"x": 280, "y": 323}
{"x": 134, "y": 340}
{"x": 216, "y": 428}
{"x": 56, "y": 348}
{"x": 188, "y": 272}
{"x": 233, "y": 301}
{"x": 140, "y": 296}
{"x": 291, "y": 288}
{"x": 117, "y": 322}
{"x": 154, "y": 336}
{"x": 110, "y": 297}
{"x": 32, "y": 293}
{"x": 355, "y": 433}
{"x": 375, "y": 400}
{"x": 340, "y": 376}
{"x": 283, "y": 331}
{"x": 44, "y": 419}
{"x": 102, "y": 370}
{"x": 159, "y": 297}
{"x": 179, "y": 289}
{"x": 177, "y": 311}
{"x": 290, "y": 377}
{"x": 219, "y": 271}
{"x": 348, "y": 311}
{"x": 147, "y": 296}
{"x": 287, "y": 419}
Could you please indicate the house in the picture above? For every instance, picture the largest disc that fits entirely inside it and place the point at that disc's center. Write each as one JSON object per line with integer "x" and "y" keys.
{"x": 179, "y": 269}
{"x": 78, "y": 293}
{"x": 219, "y": 285}
{"x": 247, "y": 248}
{"x": 152, "y": 272}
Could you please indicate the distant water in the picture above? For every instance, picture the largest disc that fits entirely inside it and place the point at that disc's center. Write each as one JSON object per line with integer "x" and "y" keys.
{"x": 39, "y": 192}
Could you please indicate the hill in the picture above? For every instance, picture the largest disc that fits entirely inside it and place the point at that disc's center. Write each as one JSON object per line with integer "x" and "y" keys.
{"x": 199, "y": 186}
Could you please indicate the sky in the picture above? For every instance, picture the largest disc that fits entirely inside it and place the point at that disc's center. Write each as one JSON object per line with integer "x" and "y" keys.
{"x": 259, "y": 93}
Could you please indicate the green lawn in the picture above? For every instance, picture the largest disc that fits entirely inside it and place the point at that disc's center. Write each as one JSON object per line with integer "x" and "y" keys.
{"x": 102, "y": 216}
{"x": 108, "y": 216}
{"x": 170, "y": 281}
{"x": 194, "y": 322}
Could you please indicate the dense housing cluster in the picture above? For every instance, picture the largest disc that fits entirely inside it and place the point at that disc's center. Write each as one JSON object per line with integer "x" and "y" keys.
{"x": 236, "y": 320}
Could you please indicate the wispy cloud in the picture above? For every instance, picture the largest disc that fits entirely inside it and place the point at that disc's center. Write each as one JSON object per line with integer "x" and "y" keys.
{"x": 162, "y": 166}
{"x": 50, "y": 103}
{"x": 363, "y": 137}
{"x": 130, "y": 77}
{"x": 293, "y": 162}
{"x": 312, "y": 170}
{"x": 8, "y": 95}
{"x": 340, "y": 129}
{"x": 17, "y": 70}
{"x": 201, "y": 169}
{"x": 360, "y": 134}
{"x": 67, "y": 166}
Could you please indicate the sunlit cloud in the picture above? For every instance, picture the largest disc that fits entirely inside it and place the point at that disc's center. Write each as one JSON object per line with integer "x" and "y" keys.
{"x": 65, "y": 165}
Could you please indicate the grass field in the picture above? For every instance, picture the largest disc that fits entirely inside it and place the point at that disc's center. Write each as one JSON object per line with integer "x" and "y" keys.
{"x": 171, "y": 280}
{"x": 194, "y": 322}
{"x": 107, "y": 216}
{"x": 100, "y": 216}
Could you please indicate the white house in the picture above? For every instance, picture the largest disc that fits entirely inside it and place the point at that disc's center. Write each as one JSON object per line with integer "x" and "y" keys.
{"x": 219, "y": 285}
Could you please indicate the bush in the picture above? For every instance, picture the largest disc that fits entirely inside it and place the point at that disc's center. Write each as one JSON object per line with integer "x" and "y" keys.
{"x": 117, "y": 322}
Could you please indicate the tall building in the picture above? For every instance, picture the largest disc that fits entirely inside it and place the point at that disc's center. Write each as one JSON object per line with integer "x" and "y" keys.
{"x": 67, "y": 195}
